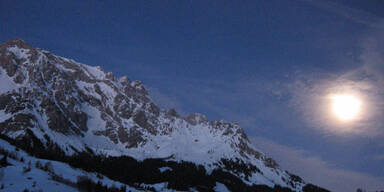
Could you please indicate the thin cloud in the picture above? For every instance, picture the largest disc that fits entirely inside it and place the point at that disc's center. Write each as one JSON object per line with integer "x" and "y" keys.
{"x": 379, "y": 157}
{"x": 352, "y": 14}
{"x": 310, "y": 97}
{"x": 372, "y": 56}
{"x": 315, "y": 170}
{"x": 311, "y": 168}
{"x": 309, "y": 91}
{"x": 165, "y": 101}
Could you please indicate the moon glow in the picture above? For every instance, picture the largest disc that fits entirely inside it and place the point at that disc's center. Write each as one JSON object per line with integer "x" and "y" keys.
{"x": 345, "y": 107}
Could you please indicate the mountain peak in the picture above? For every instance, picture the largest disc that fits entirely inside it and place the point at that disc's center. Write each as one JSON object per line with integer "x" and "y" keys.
{"x": 16, "y": 50}
{"x": 81, "y": 108}
{"x": 16, "y": 42}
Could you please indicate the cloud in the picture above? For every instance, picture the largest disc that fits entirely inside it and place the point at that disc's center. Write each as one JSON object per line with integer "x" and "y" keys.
{"x": 352, "y": 14}
{"x": 311, "y": 98}
{"x": 310, "y": 91}
{"x": 260, "y": 106}
{"x": 311, "y": 168}
{"x": 379, "y": 157}
{"x": 165, "y": 101}
{"x": 317, "y": 171}
{"x": 372, "y": 56}
{"x": 249, "y": 102}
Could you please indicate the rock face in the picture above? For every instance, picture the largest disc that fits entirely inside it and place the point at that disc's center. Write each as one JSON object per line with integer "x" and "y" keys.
{"x": 80, "y": 108}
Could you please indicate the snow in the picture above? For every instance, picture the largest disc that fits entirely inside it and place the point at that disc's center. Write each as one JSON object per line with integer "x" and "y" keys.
{"x": 201, "y": 143}
{"x": 6, "y": 83}
{"x": 159, "y": 187}
{"x": 95, "y": 72}
{"x": 94, "y": 123}
{"x": 15, "y": 179}
{"x": 100, "y": 144}
{"x": 88, "y": 87}
{"x": 163, "y": 169}
{"x": 63, "y": 141}
{"x": 63, "y": 68}
{"x": 4, "y": 116}
{"x": 188, "y": 143}
{"x": 221, "y": 188}
{"x": 107, "y": 90}
{"x": 20, "y": 53}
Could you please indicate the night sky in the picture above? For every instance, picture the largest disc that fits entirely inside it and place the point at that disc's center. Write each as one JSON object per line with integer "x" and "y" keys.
{"x": 265, "y": 64}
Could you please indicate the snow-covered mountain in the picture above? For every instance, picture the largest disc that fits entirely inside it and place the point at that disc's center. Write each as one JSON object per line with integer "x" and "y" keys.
{"x": 50, "y": 103}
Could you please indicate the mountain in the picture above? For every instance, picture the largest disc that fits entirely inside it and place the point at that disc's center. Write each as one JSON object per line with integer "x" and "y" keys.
{"x": 58, "y": 109}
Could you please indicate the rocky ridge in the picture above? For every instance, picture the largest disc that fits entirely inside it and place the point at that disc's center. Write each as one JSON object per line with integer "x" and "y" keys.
{"x": 83, "y": 108}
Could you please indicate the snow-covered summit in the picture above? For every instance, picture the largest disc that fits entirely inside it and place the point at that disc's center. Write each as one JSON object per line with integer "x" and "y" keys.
{"x": 81, "y": 108}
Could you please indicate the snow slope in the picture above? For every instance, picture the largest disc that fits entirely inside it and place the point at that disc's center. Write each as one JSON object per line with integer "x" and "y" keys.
{"x": 16, "y": 178}
{"x": 81, "y": 108}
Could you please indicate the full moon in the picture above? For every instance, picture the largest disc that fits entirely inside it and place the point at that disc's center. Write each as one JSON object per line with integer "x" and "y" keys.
{"x": 345, "y": 107}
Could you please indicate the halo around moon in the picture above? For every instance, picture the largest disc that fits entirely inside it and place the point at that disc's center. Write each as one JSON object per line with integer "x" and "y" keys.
{"x": 345, "y": 107}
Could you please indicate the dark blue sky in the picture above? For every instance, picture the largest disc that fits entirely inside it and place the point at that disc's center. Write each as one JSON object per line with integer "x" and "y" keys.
{"x": 245, "y": 61}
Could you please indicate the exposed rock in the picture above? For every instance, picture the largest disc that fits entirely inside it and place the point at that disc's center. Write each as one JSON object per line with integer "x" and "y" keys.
{"x": 82, "y": 108}
{"x": 135, "y": 137}
{"x": 172, "y": 113}
{"x": 110, "y": 76}
{"x": 196, "y": 118}
{"x": 124, "y": 80}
